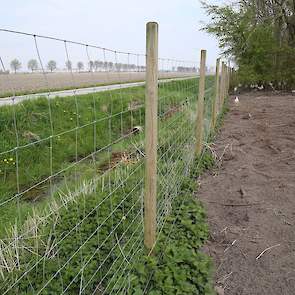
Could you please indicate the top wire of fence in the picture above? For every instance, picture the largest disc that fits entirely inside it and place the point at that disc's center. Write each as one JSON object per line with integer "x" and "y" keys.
{"x": 72, "y": 160}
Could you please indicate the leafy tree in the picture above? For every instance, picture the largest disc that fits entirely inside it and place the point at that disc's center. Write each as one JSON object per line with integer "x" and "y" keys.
{"x": 91, "y": 65}
{"x": 260, "y": 38}
{"x": 110, "y": 65}
{"x": 69, "y": 65}
{"x": 15, "y": 65}
{"x": 33, "y": 65}
{"x": 80, "y": 66}
{"x": 118, "y": 67}
{"x": 51, "y": 65}
{"x": 96, "y": 65}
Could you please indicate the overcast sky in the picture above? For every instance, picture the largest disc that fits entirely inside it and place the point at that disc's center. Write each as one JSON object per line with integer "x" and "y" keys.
{"x": 114, "y": 24}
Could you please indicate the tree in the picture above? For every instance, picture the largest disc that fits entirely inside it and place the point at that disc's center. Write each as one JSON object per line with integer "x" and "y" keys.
{"x": 258, "y": 36}
{"x": 80, "y": 66}
{"x": 96, "y": 65}
{"x": 91, "y": 65}
{"x": 51, "y": 65}
{"x": 15, "y": 65}
{"x": 69, "y": 65}
{"x": 110, "y": 66}
{"x": 33, "y": 65}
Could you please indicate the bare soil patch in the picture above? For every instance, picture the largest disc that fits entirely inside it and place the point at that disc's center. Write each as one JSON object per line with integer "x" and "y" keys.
{"x": 28, "y": 82}
{"x": 250, "y": 199}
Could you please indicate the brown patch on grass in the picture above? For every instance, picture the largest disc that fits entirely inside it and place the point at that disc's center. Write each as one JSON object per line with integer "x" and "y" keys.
{"x": 116, "y": 158}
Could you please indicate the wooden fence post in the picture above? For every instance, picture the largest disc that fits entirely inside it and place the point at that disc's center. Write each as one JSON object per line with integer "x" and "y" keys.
{"x": 223, "y": 81}
{"x": 200, "y": 105}
{"x": 220, "y": 89}
{"x": 215, "y": 104}
{"x": 151, "y": 135}
{"x": 228, "y": 78}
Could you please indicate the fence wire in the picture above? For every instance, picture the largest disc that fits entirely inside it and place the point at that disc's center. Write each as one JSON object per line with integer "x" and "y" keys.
{"x": 72, "y": 162}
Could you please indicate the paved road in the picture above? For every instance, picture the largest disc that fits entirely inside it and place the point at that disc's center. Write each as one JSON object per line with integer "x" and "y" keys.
{"x": 80, "y": 91}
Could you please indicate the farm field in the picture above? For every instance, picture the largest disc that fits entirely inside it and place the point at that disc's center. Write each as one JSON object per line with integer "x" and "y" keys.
{"x": 249, "y": 197}
{"x": 25, "y": 83}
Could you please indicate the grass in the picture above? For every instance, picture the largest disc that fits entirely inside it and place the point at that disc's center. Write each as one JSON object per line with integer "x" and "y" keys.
{"x": 67, "y": 249}
{"x": 67, "y": 137}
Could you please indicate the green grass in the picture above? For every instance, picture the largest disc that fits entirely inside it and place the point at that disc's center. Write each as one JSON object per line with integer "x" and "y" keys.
{"x": 49, "y": 141}
{"x": 67, "y": 229}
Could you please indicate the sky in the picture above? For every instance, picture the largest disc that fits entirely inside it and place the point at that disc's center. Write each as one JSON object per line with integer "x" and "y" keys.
{"x": 114, "y": 24}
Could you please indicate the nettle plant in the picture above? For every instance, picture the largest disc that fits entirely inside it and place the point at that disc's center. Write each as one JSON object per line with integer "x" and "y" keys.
{"x": 177, "y": 266}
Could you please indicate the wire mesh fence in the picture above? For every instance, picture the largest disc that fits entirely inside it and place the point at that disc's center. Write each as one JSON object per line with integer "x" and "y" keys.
{"x": 72, "y": 162}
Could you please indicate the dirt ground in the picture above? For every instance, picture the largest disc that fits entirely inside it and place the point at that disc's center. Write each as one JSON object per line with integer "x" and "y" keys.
{"x": 250, "y": 199}
{"x": 27, "y": 82}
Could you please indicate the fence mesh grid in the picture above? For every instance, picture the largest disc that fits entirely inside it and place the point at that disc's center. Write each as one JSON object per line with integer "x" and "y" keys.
{"x": 72, "y": 164}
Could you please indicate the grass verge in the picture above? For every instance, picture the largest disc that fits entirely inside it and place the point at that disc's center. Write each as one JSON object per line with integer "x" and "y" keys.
{"x": 178, "y": 266}
{"x": 47, "y": 145}
{"x": 97, "y": 235}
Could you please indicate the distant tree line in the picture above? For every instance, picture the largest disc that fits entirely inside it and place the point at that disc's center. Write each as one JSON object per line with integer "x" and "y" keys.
{"x": 187, "y": 69}
{"x": 92, "y": 66}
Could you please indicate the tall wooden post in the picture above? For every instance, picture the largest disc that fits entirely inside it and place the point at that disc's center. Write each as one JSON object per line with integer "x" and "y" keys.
{"x": 215, "y": 104}
{"x": 200, "y": 105}
{"x": 220, "y": 89}
{"x": 151, "y": 134}
{"x": 227, "y": 81}
{"x": 229, "y": 76}
{"x": 222, "y": 86}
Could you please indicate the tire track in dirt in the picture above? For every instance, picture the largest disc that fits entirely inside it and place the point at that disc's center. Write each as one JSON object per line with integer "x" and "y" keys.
{"x": 250, "y": 199}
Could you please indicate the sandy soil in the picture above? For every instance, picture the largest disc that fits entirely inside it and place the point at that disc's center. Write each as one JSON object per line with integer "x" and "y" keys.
{"x": 33, "y": 82}
{"x": 250, "y": 199}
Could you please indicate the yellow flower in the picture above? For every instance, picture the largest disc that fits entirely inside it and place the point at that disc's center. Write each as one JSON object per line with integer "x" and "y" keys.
{"x": 10, "y": 159}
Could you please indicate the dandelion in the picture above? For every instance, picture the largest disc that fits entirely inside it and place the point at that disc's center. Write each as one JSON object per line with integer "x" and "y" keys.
{"x": 10, "y": 159}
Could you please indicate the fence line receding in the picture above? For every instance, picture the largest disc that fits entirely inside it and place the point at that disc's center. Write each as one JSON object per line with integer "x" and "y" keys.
{"x": 87, "y": 176}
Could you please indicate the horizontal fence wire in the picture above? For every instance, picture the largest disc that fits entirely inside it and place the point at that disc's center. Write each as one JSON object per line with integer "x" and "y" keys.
{"x": 72, "y": 162}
